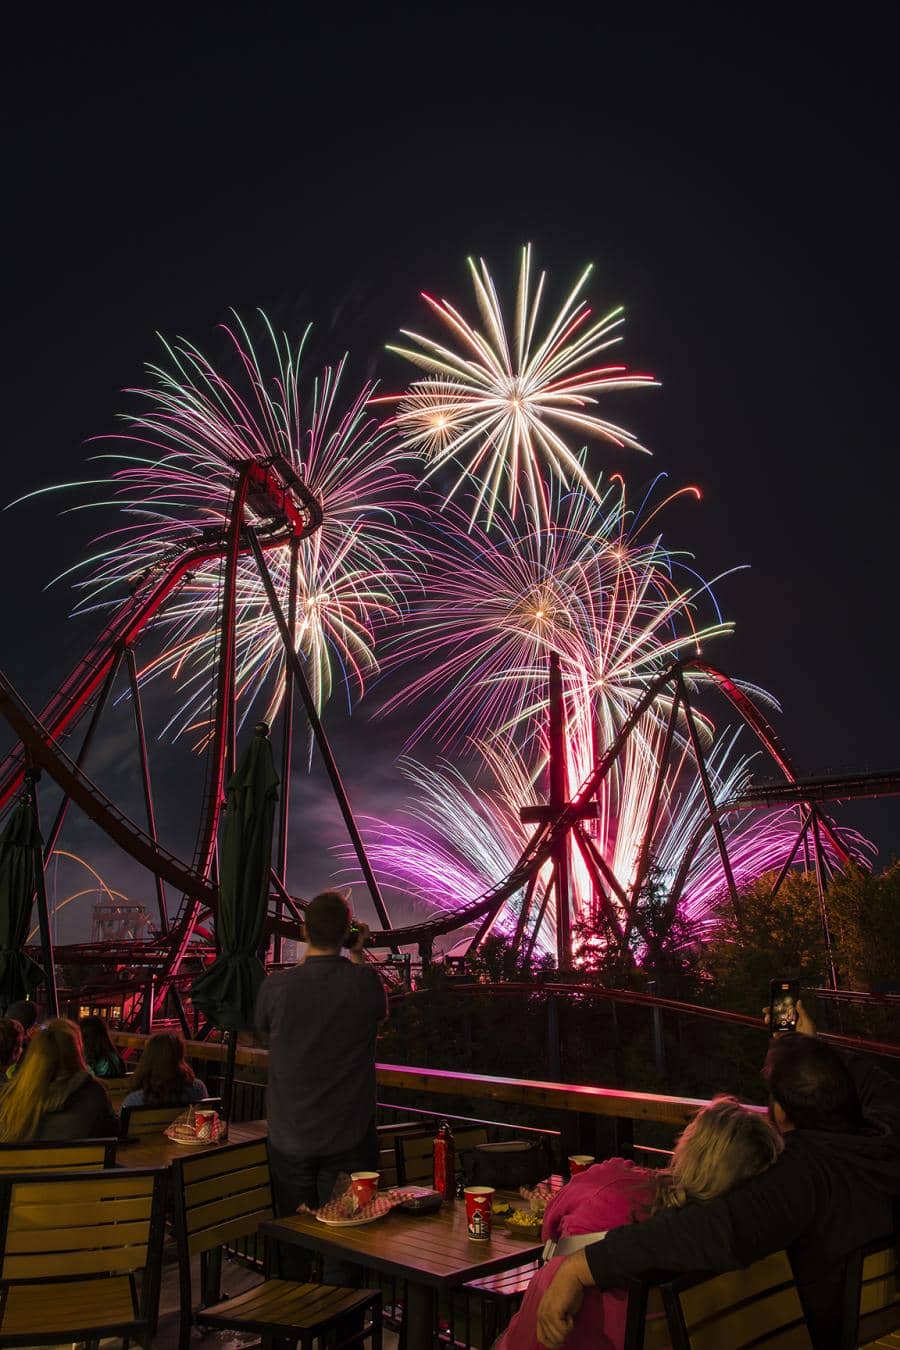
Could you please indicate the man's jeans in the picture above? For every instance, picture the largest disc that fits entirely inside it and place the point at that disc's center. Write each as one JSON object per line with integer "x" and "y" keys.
{"x": 310, "y": 1181}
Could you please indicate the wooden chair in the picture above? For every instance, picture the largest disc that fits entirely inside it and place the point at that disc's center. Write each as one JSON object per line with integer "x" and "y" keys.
{"x": 646, "y": 1326}
{"x": 415, "y": 1153}
{"x": 81, "y": 1256}
{"x": 223, "y": 1196}
{"x": 118, "y": 1089}
{"x": 874, "y": 1290}
{"x": 757, "y": 1306}
{"x": 70, "y": 1155}
{"x": 136, "y": 1121}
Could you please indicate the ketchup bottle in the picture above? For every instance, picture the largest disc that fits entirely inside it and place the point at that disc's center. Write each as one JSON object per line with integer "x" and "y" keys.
{"x": 444, "y": 1162}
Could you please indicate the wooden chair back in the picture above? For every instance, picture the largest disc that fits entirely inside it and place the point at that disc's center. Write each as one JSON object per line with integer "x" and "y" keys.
{"x": 118, "y": 1089}
{"x": 221, "y": 1196}
{"x": 415, "y": 1153}
{"x": 757, "y": 1306}
{"x": 136, "y": 1121}
{"x": 70, "y": 1155}
{"x": 646, "y": 1326}
{"x": 71, "y": 1232}
{"x": 874, "y": 1279}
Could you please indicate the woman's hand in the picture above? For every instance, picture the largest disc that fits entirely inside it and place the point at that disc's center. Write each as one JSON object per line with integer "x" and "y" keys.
{"x": 561, "y": 1304}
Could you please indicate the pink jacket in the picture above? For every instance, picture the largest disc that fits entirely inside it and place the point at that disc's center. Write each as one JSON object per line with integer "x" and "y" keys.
{"x": 605, "y": 1196}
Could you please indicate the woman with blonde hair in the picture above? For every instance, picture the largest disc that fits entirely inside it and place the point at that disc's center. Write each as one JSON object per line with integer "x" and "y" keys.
{"x": 53, "y": 1095}
{"x": 724, "y": 1145}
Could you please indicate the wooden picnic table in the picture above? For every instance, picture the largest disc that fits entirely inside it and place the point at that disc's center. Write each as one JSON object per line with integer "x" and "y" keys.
{"x": 432, "y": 1252}
{"x": 156, "y": 1150}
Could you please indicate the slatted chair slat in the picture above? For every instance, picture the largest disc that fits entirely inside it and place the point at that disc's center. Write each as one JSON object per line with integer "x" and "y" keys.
{"x": 228, "y": 1231}
{"x": 757, "y": 1306}
{"x": 69, "y": 1156}
{"x": 879, "y": 1294}
{"x": 243, "y": 1179}
{"x": 229, "y": 1207}
{"x": 118, "y": 1089}
{"x": 234, "y": 1159}
{"x": 136, "y": 1121}
{"x": 72, "y": 1270}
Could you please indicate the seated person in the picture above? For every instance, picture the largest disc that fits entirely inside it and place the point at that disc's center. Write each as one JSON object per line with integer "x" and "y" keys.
{"x": 103, "y": 1059}
{"x": 24, "y": 1012}
{"x": 829, "y": 1193}
{"x": 723, "y": 1146}
{"x": 163, "y": 1077}
{"x": 53, "y": 1096}
{"x": 12, "y": 1040}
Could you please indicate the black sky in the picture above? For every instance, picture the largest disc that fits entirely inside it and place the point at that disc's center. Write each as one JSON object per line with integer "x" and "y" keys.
{"x": 736, "y": 188}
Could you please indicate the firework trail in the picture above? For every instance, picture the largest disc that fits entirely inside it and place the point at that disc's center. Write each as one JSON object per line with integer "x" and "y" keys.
{"x": 504, "y": 403}
{"x": 177, "y": 460}
{"x": 595, "y": 586}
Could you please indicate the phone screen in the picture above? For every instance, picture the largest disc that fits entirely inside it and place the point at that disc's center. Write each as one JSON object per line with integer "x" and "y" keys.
{"x": 783, "y": 1005}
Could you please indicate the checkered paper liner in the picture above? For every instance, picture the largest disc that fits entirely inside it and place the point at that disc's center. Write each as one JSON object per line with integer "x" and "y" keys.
{"x": 344, "y": 1207}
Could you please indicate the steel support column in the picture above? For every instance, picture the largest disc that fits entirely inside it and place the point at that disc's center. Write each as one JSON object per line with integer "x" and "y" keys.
{"x": 557, "y": 800}
{"x": 319, "y": 732}
{"x": 32, "y": 775}
{"x": 287, "y": 743}
{"x": 138, "y": 710}
{"x": 710, "y": 800}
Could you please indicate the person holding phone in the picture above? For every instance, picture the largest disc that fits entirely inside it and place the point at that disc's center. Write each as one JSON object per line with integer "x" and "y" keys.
{"x": 831, "y": 1191}
{"x": 320, "y": 1021}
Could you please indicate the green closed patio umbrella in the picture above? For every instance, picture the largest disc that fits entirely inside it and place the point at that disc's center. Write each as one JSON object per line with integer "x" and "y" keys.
{"x": 226, "y": 990}
{"x": 19, "y": 845}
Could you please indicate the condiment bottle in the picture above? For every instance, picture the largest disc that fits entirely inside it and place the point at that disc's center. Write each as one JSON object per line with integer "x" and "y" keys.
{"x": 444, "y": 1162}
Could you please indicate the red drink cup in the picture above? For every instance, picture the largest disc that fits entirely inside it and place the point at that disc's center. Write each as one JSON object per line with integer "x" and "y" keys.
{"x": 580, "y": 1162}
{"x": 205, "y": 1124}
{"x": 365, "y": 1187}
{"x": 478, "y": 1211}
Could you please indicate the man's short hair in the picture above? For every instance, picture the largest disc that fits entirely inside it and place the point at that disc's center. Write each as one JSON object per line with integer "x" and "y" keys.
{"x": 327, "y": 919}
{"x": 812, "y": 1085}
{"x": 23, "y": 1011}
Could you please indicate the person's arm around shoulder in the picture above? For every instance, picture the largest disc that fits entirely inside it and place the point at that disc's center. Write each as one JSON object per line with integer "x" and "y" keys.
{"x": 764, "y": 1215}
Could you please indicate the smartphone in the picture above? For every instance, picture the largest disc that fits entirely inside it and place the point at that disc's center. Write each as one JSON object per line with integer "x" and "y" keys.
{"x": 352, "y": 935}
{"x": 783, "y": 995}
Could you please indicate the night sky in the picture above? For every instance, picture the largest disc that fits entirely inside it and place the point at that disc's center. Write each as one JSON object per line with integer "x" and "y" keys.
{"x": 735, "y": 189}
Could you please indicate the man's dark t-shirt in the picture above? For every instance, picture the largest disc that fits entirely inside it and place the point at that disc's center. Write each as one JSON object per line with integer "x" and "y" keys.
{"x": 321, "y": 1020}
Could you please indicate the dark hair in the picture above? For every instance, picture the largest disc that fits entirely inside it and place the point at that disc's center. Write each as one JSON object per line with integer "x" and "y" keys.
{"x": 12, "y": 1036}
{"x": 162, "y": 1073}
{"x": 327, "y": 919}
{"x": 97, "y": 1042}
{"x": 24, "y": 1012}
{"x": 812, "y": 1085}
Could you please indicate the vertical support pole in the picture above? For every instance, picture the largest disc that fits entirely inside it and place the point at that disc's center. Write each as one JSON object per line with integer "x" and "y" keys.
{"x": 643, "y": 863}
{"x": 819, "y": 859}
{"x": 32, "y": 775}
{"x": 554, "y": 1050}
{"x": 710, "y": 800}
{"x": 659, "y": 1045}
{"x": 557, "y": 800}
{"x": 319, "y": 733}
{"x": 287, "y": 744}
{"x": 138, "y": 709}
{"x": 103, "y": 697}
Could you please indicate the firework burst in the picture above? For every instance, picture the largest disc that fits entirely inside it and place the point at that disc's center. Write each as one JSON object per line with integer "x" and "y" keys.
{"x": 506, "y": 403}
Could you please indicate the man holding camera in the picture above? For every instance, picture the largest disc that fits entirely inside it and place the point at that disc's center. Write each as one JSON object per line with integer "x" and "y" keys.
{"x": 320, "y": 1021}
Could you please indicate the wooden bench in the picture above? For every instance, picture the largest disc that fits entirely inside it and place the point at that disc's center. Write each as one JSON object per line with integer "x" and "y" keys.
{"x": 877, "y": 1278}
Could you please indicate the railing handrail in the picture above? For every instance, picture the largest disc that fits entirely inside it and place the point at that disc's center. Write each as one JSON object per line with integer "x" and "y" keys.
{"x": 580, "y": 1098}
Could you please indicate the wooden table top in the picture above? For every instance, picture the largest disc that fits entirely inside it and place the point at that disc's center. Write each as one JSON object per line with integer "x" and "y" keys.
{"x": 431, "y": 1249}
{"x": 155, "y": 1150}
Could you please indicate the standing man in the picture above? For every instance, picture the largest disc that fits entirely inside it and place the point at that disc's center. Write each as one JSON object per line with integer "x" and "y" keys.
{"x": 320, "y": 1021}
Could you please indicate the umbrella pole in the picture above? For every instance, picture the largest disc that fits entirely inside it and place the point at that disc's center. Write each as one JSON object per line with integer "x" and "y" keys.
{"x": 228, "y": 1081}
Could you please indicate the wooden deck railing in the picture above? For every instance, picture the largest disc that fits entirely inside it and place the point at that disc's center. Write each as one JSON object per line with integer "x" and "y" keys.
{"x": 581, "y": 1100}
